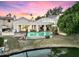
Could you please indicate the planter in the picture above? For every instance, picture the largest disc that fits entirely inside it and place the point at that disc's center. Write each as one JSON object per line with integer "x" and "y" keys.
{"x": 6, "y": 48}
{"x": 51, "y": 36}
{"x": 2, "y": 49}
{"x": 6, "y": 45}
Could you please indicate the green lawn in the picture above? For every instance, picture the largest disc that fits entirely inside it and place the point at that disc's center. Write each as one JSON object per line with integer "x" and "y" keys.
{"x": 12, "y": 42}
{"x": 56, "y": 40}
{"x": 61, "y": 41}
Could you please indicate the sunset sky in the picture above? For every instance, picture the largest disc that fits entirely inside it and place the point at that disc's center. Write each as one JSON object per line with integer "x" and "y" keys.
{"x": 37, "y": 8}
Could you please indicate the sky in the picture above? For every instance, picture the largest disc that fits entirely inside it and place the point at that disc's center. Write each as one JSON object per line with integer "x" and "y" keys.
{"x": 25, "y": 8}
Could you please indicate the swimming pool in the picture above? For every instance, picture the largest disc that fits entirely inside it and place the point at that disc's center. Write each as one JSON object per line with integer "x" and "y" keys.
{"x": 35, "y": 35}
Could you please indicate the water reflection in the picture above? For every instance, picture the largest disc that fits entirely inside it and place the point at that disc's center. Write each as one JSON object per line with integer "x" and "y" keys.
{"x": 55, "y": 52}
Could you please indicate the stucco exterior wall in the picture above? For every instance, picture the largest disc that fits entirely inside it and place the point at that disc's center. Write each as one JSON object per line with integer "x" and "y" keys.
{"x": 1, "y": 23}
{"x": 9, "y": 24}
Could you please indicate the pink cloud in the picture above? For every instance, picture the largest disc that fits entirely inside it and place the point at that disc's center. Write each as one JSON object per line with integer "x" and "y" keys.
{"x": 34, "y": 7}
{"x": 39, "y": 8}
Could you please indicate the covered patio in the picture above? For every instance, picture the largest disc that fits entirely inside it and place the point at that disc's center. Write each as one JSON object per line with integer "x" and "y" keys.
{"x": 23, "y": 24}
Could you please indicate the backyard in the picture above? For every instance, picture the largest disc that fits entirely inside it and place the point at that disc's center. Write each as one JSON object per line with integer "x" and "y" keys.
{"x": 17, "y": 45}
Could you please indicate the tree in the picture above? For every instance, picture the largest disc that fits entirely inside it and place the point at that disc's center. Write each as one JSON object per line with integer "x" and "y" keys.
{"x": 37, "y": 18}
{"x": 69, "y": 21}
{"x": 49, "y": 12}
{"x": 55, "y": 11}
{"x": 31, "y": 16}
{"x": 74, "y": 8}
{"x": 53, "y": 28}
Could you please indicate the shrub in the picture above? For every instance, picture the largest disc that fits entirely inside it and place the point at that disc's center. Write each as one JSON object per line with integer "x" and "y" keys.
{"x": 1, "y": 41}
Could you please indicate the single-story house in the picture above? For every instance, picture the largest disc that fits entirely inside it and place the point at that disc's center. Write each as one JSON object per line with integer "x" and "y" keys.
{"x": 23, "y": 24}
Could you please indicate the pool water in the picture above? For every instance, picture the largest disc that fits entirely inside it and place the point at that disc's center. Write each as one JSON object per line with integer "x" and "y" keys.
{"x": 55, "y": 52}
{"x": 38, "y": 35}
{"x": 36, "y": 53}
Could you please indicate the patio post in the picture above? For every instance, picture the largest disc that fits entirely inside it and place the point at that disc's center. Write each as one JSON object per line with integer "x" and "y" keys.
{"x": 37, "y": 28}
{"x": 44, "y": 27}
{"x": 44, "y": 30}
{"x": 33, "y": 27}
{"x": 29, "y": 28}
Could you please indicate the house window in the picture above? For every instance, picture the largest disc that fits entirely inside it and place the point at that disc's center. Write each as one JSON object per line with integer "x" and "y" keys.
{"x": 9, "y": 20}
{"x": 23, "y": 27}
